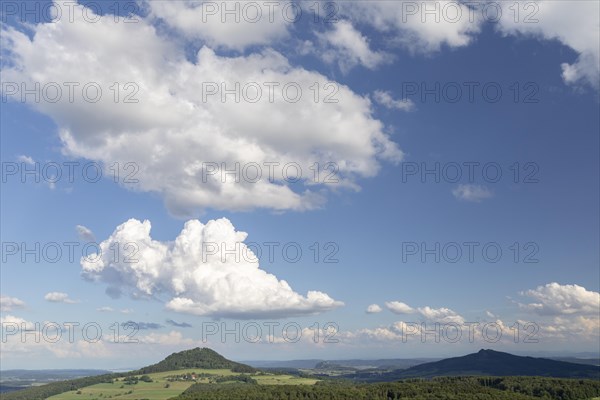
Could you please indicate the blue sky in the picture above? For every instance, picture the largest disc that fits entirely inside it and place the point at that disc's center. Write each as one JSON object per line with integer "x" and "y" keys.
{"x": 377, "y": 134}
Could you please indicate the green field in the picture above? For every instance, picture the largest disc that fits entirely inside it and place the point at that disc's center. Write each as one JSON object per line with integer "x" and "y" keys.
{"x": 283, "y": 380}
{"x": 157, "y": 390}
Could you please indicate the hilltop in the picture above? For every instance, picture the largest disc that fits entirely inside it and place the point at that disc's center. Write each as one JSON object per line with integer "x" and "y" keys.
{"x": 202, "y": 358}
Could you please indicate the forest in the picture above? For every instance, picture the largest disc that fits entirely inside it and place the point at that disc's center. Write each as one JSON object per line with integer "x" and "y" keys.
{"x": 457, "y": 388}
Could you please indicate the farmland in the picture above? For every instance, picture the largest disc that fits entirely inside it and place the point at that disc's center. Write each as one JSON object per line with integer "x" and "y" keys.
{"x": 168, "y": 384}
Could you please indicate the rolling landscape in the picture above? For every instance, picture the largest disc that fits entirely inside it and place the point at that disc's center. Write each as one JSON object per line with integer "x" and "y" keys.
{"x": 201, "y": 373}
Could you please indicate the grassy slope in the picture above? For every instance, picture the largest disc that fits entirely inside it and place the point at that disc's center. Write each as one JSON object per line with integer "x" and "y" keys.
{"x": 156, "y": 390}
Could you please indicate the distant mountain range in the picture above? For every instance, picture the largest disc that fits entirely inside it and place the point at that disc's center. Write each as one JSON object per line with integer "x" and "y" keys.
{"x": 47, "y": 374}
{"x": 587, "y": 361}
{"x": 389, "y": 363}
{"x": 17, "y": 379}
{"x": 386, "y": 363}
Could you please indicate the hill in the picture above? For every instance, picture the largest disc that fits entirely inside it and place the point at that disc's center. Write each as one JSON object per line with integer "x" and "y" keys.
{"x": 203, "y": 358}
{"x": 495, "y": 363}
{"x": 200, "y": 358}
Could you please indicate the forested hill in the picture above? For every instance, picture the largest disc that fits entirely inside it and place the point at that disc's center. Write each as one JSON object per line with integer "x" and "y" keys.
{"x": 202, "y": 358}
{"x": 495, "y": 363}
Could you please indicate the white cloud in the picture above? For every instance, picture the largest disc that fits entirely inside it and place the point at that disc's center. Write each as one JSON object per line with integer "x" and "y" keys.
{"x": 385, "y": 99}
{"x": 105, "y": 309}
{"x": 50, "y": 181}
{"x": 256, "y": 23}
{"x": 556, "y": 299}
{"x": 490, "y": 314}
{"x": 574, "y": 23}
{"x": 174, "y": 129}
{"x": 59, "y": 297}
{"x": 572, "y": 327}
{"x": 16, "y": 322}
{"x": 26, "y": 159}
{"x": 346, "y": 46}
{"x": 398, "y": 331}
{"x": 85, "y": 234}
{"x": 8, "y": 303}
{"x": 374, "y": 309}
{"x": 398, "y": 307}
{"x": 470, "y": 192}
{"x": 412, "y": 27}
{"x": 442, "y": 315}
{"x": 305, "y": 47}
{"x": 195, "y": 276}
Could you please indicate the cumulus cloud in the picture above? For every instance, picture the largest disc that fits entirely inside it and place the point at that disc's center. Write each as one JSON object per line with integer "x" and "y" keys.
{"x": 556, "y": 299}
{"x": 8, "y": 303}
{"x": 59, "y": 297}
{"x": 575, "y": 23}
{"x": 177, "y": 132}
{"x": 398, "y": 307}
{"x": 385, "y": 99}
{"x": 473, "y": 193}
{"x": 406, "y": 23}
{"x": 442, "y": 315}
{"x": 374, "y": 309}
{"x": 572, "y": 327}
{"x": 347, "y": 47}
{"x": 85, "y": 234}
{"x": 250, "y": 24}
{"x": 397, "y": 331}
{"x": 195, "y": 276}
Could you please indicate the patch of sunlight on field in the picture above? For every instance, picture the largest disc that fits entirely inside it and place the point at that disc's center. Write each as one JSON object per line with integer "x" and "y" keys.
{"x": 157, "y": 390}
{"x": 283, "y": 380}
